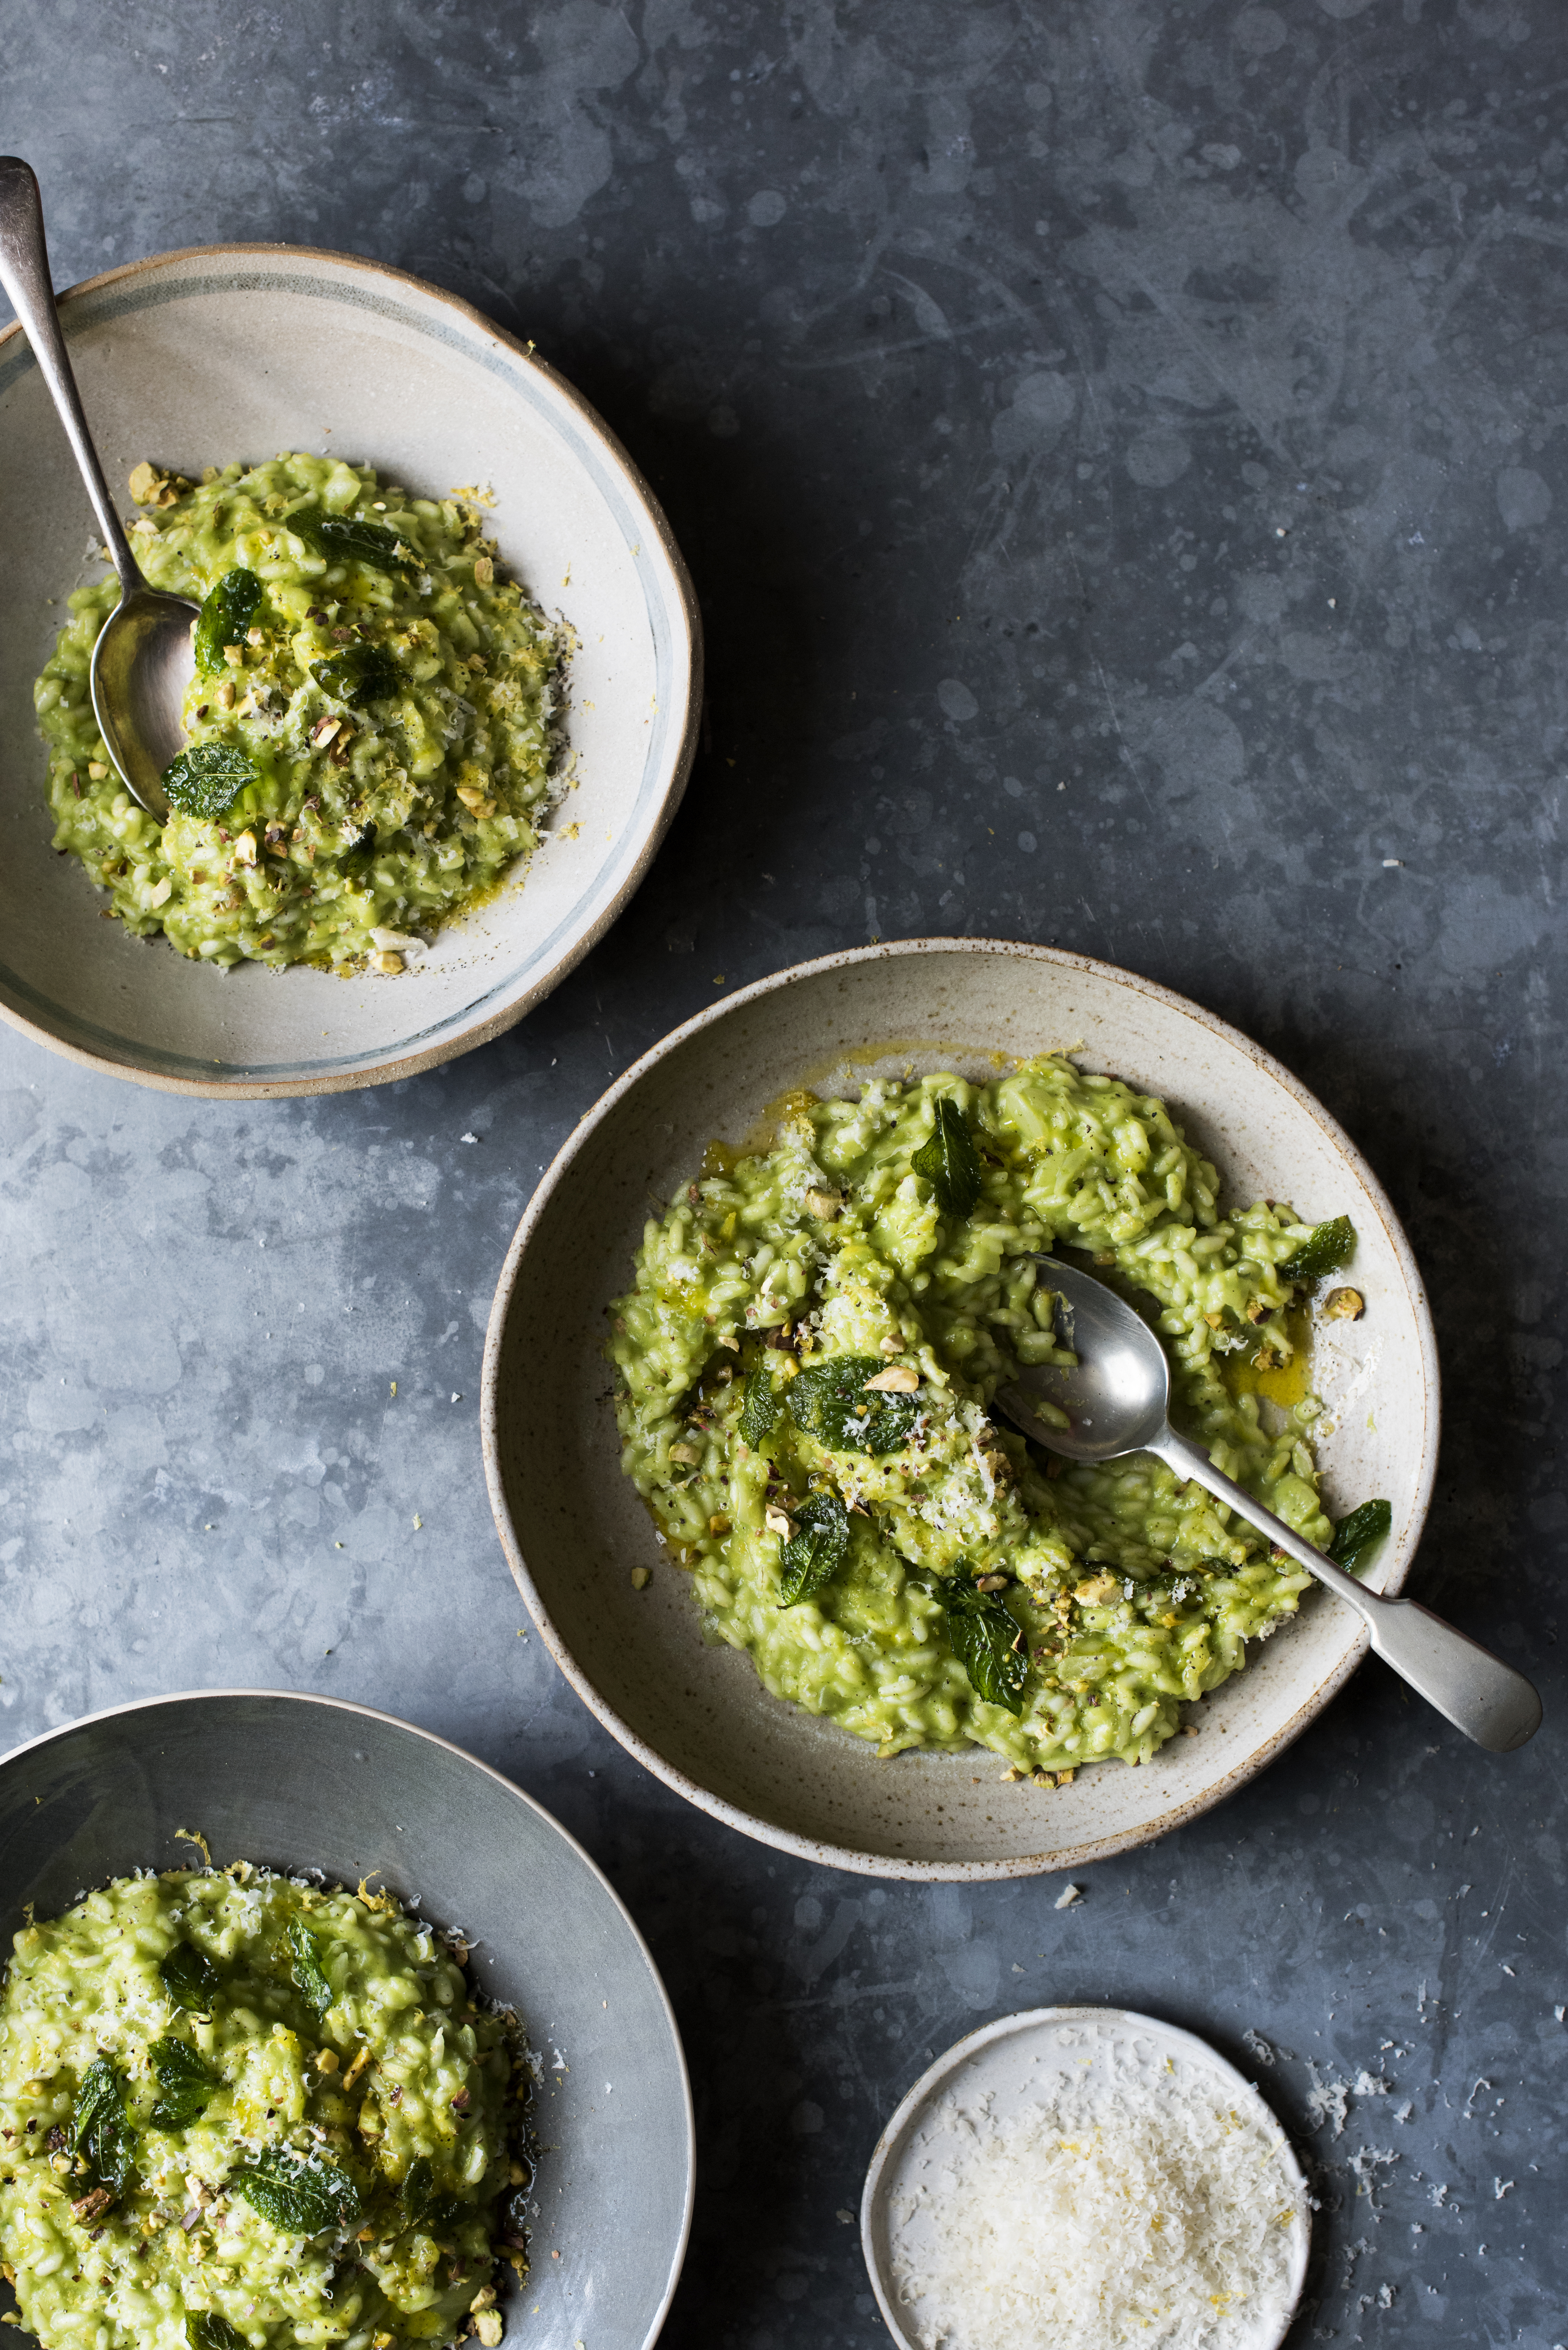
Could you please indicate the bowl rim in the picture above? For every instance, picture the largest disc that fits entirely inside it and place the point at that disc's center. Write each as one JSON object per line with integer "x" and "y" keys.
{"x": 496, "y": 1024}
{"x": 952, "y": 2058}
{"x": 520, "y": 1795}
{"x": 853, "y": 1858}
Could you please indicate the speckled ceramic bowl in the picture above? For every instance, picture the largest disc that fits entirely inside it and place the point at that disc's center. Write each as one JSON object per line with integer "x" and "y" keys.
{"x": 304, "y": 1782}
{"x": 574, "y": 1528}
{"x": 196, "y": 359}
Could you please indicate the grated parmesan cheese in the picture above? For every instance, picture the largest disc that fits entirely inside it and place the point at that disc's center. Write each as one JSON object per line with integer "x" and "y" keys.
{"x": 1141, "y": 2201}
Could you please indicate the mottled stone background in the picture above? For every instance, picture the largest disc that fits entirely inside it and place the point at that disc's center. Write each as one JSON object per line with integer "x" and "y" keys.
{"x": 1120, "y": 450}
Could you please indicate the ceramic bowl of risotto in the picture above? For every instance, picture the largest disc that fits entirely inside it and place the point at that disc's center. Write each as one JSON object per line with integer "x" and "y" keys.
{"x": 228, "y": 355}
{"x": 691, "y": 1652}
{"x": 312, "y": 1788}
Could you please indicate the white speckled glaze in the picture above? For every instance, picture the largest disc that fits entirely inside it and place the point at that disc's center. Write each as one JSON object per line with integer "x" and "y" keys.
{"x": 573, "y": 1527}
{"x": 196, "y": 359}
{"x": 1007, "y": 2063}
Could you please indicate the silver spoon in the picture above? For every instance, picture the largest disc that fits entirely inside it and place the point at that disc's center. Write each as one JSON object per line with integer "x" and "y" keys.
{"x": 143, "y": 659}
{"x": 1118, "y": 1400}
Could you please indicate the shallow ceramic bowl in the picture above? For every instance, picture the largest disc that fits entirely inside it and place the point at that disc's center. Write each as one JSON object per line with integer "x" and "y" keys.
{"x": 574, "y": 1528}
{"x": 238, "y": 351}
{"x": 306, "y": 1782}
{"x": 1009, "y": 2068}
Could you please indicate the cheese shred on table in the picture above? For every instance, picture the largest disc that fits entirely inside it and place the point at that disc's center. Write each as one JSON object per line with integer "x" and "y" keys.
{"x": 1141, "y": 2209}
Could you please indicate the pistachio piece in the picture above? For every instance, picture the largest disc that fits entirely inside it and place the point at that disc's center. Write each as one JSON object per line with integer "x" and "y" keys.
{"x": 1096, "y": 1590}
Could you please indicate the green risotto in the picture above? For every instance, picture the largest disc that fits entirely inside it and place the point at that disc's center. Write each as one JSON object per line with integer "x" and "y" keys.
{"x": 238, "y": 2111}
{"x": 372, "y": 734}
{"x": 806, "y": 1365}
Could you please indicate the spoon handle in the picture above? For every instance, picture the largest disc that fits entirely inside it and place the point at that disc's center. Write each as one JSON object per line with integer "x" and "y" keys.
{"x": 25, "y": 274}
{"x": 1478, "y": 1692}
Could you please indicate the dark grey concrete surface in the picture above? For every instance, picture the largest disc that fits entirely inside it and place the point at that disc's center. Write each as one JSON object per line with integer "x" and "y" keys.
{"x": 1120, "y": 449}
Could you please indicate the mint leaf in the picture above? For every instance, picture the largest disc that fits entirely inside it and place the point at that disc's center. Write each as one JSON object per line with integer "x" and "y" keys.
{"x": 1324, "y": 1250}
{"x": 187, "y": 2081}
{"x": 303, "y": 2195}
{"x": 344, "y": 540}
{"x": 358, "y": 674}
{"x": 419, "y": 2189}
{"x": 100, "y": 2126}
{"x": 190, "y": 1978}
{"x": 358, "y": 857}
{"x": 422, "y": 2207}
{"x": 828, "y": 1400}
{"x": 1358, "y": 1537}
{"x": 760, "y": 1408}
{"x": 308, "y": 1971}
{"x": 815, "y": 1551}
{"x": 206, "y": 779}
{"x": 227, "y": 611}
{"x": 205, "y": 2330}
{"x": 950, "y": 1161}
{"x": 988, "y": 1643}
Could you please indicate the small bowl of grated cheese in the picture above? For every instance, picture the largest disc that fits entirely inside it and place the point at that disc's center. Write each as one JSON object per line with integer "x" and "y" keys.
{"x": 1085, "y": 2176}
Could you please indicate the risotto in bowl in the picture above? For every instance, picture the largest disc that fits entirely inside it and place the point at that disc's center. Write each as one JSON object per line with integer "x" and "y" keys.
{"x": 237, "y": 2101}
{"x": 445, "y": 693}
{"x": 304, "y": 2022}
{"x": 831, "y": 1597}
{"x": 372, "y": 725}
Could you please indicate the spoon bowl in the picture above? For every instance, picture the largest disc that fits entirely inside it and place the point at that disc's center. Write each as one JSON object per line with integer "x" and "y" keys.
{"x": 1117, "y": 1398}
{"x": 143, "y": 657}
{"x": 141, "y": 664}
